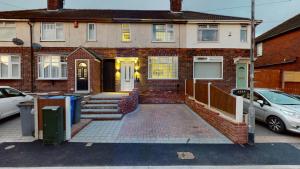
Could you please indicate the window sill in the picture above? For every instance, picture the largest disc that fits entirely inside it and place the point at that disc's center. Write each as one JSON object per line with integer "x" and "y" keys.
{"x": 10, "y": 78}
{"x": 91, "y": 41}
{"x": 163, "y": 42}
{"x": 126, "y": 41}
{"x": 163, "y": 79}
{"x": 52, "y": 41}
{"x": 209, "y": 79}
{"x": 208, "y": 41}
{"x": 58, "y": 79}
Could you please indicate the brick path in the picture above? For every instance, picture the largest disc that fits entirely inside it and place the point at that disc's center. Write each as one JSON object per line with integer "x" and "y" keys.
{"x": 159, "y": 123}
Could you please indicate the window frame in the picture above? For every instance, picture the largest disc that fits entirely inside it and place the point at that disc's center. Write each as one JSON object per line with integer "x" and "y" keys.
{"x": 259, "y": 49}
{"x": 42, "y": 63}
{"x": 209, "y": 59}
{"x": 154, "y": 40}
{"x": 3, "y": 25}
{"x": 177, "y": 68}
{"x": 123, "y": 30}
{"x": 53, "y": 40}
{"x": 88, "y": 32}
{"x": 208, "y": 27}
{"x": 244, "y": 28}
{"x": 9, "y": 71}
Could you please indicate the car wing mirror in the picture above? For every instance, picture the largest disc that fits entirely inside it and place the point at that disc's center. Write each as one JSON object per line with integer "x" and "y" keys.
{"x": 261, "y": 102}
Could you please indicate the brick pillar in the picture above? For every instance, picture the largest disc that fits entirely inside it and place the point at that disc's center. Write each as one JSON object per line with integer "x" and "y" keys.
{"x": 55, "y": 4}
{"x": 176, "y": 5}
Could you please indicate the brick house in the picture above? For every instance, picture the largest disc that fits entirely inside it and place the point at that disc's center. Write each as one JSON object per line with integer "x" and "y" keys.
{"x": 279, "y": 47}
{"x": 92, "y": 51}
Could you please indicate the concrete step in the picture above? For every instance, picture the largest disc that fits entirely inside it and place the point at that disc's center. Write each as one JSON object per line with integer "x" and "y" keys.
{"x": 103, "y": 102}
{"x": 102, "y": 116}
{"x": 99, "y": 111}
{"x": 100, "y": 106}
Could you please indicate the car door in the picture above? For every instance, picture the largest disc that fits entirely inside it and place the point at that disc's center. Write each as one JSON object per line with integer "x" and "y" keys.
{"x": 14, "y": 97}
{"x": 260, "y": 111}
{"x": 4, "y": 105}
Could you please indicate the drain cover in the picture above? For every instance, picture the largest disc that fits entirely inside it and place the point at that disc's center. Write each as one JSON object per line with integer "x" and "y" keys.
{"x": 185, "y": 155}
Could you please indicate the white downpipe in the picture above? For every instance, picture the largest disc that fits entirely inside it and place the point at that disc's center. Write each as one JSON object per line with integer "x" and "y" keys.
{"x": 208, "y": 102}
{"x": 239, "y": 109}
{"x": 68, "y": 118}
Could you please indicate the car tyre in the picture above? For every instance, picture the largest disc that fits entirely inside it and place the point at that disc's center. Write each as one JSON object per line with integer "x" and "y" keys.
{"x": 276, "y": 124}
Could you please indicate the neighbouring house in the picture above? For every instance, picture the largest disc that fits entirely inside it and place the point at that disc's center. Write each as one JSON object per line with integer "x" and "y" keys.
{"x": 278, "y": 56}
{"x": 92, "y": 51}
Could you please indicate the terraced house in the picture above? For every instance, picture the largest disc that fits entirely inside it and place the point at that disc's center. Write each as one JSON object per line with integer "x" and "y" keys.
{"x": 92, "y": 51}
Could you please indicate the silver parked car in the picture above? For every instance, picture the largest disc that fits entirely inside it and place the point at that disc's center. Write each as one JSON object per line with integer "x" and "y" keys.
{"x": 278, "y": 110}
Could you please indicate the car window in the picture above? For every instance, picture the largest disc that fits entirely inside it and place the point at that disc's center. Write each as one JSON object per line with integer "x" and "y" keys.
{"x": 243, "y": 93}
{"x": 279, "y": 98}
{"x": 11, "y": 92}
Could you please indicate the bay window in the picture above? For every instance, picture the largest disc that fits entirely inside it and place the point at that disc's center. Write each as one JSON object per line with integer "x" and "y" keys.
{"x": 7, "y": 31}
{"x": 52, "y": 67}
{"x": 10, "y": 67}
{"x": 165, "y": 67}
{"x": 52, "y": 31}
{"x": 208, "y": 33}
{"x": 163, "y": 33}
{"x": 208, "y": 67}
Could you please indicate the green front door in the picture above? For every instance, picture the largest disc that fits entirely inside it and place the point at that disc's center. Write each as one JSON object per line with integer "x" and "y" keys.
{"x": 242, "y": 75}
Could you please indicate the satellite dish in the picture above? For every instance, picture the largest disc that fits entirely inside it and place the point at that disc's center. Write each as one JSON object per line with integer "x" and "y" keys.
{"x": 18, "y": 41}
{"x": 36, "y": 46}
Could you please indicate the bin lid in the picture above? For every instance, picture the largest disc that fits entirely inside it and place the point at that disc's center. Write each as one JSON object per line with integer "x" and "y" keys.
{"x": 53, "y": 108}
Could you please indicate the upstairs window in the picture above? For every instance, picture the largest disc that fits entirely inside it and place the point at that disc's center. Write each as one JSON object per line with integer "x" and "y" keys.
{"x": 52, "y": 67}
{"x": 208, "y": 33}
{"x": 7, "y": 31}
{"x": 126, "y": 34}
{"x": 208, "y": 67}
{"x": 91, "y": 33}
{"x": 259, "y": 49}
{"x": 244, "y": 34}
{"x": 165, "y": 67}
{"x": 10, "y": 67}
{"x": 52, "y": 31}
{"x": 163, "y": 33}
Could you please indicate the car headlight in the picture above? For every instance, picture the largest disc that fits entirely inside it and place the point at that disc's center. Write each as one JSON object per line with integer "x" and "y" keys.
{"x": 291, "y": 114}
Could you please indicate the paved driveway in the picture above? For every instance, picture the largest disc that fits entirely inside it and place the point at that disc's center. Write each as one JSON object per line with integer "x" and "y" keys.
{"x": 159, "y": 123}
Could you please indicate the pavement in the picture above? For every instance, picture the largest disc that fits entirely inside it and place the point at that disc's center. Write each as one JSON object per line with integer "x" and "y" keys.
{"x": 159, "y": 123}
{"x": 35, "y": 154}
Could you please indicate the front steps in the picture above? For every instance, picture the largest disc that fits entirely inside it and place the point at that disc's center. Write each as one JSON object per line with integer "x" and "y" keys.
{"x": 101, "y": 108}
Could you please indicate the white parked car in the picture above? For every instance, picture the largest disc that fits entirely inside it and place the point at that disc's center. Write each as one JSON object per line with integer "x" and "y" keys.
{"x": 9, "y": 100}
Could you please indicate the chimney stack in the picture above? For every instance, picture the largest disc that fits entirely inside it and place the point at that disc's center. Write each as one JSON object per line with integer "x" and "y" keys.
{"x": 176, "y": 5}
{"x": 55, "y": 4}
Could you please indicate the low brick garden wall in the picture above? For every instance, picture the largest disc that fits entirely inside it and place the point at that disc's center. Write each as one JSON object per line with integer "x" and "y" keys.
{"x": 129, "y": 103}
{"x": 236, "y": 132}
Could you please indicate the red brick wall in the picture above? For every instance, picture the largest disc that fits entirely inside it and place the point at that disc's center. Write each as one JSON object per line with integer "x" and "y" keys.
{"x": 236, "y": 132}
{"x": 280, "y": 49}
{"x": 169, "y": 91}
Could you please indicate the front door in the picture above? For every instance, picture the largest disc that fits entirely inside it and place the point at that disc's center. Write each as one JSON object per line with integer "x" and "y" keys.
{"x": 127, "y": 76}
{"x": 82, "y": 76}
{"x": 242, "y": 75}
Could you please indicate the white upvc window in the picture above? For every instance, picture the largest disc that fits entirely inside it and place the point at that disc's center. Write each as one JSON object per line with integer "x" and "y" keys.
{"x": 208, "y": 33}
{"x": 7, "y": 31}
{"x": 259, "y": 49}
{"x": 208, "y": 67}
{"x": 126, "y": 33}
{"x": 52, "y": 67}
{"x": 163, "y": 33}
{"x": 10, "y": 67}
{"x": 52, "y": 31}
{"x": 91, "y": 32}
{"x": 244, "y": 34}
{"x": 163, "y": 67}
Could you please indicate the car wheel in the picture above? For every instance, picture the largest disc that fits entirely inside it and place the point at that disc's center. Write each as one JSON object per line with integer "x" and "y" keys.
{"x": 275, "y": 124}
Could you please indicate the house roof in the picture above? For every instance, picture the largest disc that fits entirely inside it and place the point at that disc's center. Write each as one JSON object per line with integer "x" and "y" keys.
{"x": 287, "y": 26}
{"x": 89, "y": 51}
{"x": 113, "y": 15}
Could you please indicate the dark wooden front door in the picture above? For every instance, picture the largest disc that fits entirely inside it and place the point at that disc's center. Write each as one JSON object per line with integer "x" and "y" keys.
{"x": 82, "y": 75}
{"x": 109, "y": 72}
